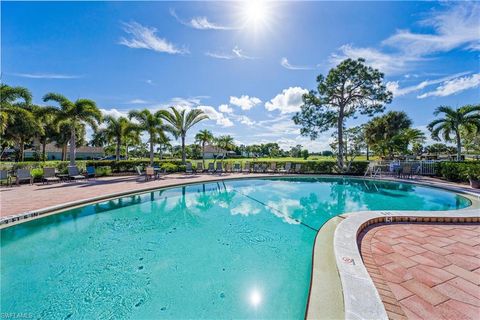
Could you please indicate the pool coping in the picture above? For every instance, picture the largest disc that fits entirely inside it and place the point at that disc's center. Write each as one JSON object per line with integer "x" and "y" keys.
{"x": 360, "y": 296}
{"x": 14, "y": 219}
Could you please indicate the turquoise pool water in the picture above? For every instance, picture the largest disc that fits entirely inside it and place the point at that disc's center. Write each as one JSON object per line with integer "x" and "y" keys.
{"x": 232, "y": 249}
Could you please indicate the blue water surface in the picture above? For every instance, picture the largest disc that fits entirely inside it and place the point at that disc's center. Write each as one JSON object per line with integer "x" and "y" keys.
{"x": 232, "y": 249}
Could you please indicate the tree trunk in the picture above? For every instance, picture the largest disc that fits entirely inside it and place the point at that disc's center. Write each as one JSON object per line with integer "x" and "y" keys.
{"x": 368, "y": 153}
{"x": 73, "y": 145}
{"x": 161, "y": 152}
{"x": 44, "y": 153}
{"x": 64, "y": 152}
{"x": 340, "y": 140}
{"x": 183, "y": 150}
{"x": 117, "y": 152}
{"x": 203, "y": 153}
{"x": 151, "y": 150}
{"x": 126, "y": 151}
{"x": 459, "y": 147}
{"x": 22, "y": 149}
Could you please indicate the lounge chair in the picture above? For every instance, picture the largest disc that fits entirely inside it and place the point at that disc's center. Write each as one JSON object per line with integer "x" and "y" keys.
{"x": 5, "y": 178}
{"x": 246, "y": 168}
{"x": 139, "y": 171}
{"x": 287, "y": 168}
{"x": 228, "y": 167}
{"x": 298, "y": 168}
{"x": 90, "y": 172}
{"x": 211, "y": 167}
{"x": 273, "y": 167}
{"x": 219, "y": 168}
{"x": 188, "y": 168}
{"x": 237, "y": 167}
{"x": 405, "y": 171}
{"x": 24, "y": 175}
{"x": 49, "y": 175}
{"x": 74, "y": 174}
{"x": 149, "y": 174}
{"x": 199, "y": 167}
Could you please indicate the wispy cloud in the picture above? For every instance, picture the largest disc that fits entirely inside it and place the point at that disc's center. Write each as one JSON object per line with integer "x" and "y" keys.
{"x": 46, "y": 76}
{"x": 454, "y": 86}
{"x": 236, "y": 53}
{"x": 142, "y": 37}
{"x": 199, "y": 23}
{"x": 287, "y": 65}
{"x": 457, "y": 26}
{"x": 137, "y": 101}
{"x": 394, "y": 86}
{"x": 386, "y": 62}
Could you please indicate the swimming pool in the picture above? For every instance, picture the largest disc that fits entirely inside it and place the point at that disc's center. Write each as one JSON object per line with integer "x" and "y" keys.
{"x": 227, "y": 249}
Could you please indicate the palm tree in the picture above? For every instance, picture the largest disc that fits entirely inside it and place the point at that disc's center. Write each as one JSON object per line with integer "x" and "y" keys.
{"x": 12, "y": 102}
{"x": 454, "y": 120}
{"x": 46, "y": 119}
{"x": 203, "y": 137}
{"x": 149, "y": 122}
{"x": 82, "y": 111}
{"x": 132, "y": 138}
{"x": 225, "y": 142}
{"x": 163, "y": 143}
{"x": 117, "y": 130}
{"x": 180, "y": 122}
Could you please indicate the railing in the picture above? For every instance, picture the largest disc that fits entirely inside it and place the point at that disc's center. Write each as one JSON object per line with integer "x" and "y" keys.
{"x": 417, "y": 167}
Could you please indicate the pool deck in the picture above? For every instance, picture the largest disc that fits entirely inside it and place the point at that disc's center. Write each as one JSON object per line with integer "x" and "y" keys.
{"x": 27, "y": 198}
{"x": 346, "y": 282}
{"x": 425, "y": 271}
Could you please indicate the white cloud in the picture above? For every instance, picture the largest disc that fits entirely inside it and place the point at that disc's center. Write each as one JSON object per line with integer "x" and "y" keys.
{"x": 385, "y": 62}
{"x": 225, "y": 108}
{"x": 245, "y": 102}
{"x": 288, "y": 101}
{"x": 114, "y": 113}
{"x": 246, "y": 121}
{"x": 236, "y": 53}
{"x": 46, "y": 76}
{"x": 454, "y": 86}
{"x": 457, "y": 26}
{"x": 286, "y": 64}
{"x": 216, "y": 116}
{"x": 137, "y": 101}
{"x": 394, "y": 86}
{"x": 148, "y": 81}
{"x": 200, "y": 23}
{"x": 142, "y": 37}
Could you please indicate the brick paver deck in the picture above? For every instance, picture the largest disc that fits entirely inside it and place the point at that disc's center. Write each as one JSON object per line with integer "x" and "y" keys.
{"x": 23, "y": 198}
{"x": 425, "y": 271}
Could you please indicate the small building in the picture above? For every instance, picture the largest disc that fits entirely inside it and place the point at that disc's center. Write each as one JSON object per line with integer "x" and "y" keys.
{"x": 212, "y": 152}
{"x": 55, "y": 153}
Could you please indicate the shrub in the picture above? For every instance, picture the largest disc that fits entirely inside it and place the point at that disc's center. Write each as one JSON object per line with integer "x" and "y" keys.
{"x": 457, "y": 171}
{"x": 103, "y": 171}
{"x": 37, "y": 173}
{"x": 169, "y": 167}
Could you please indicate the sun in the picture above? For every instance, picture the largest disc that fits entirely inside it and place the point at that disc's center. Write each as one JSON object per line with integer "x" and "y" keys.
{"x": 256, "y": 13}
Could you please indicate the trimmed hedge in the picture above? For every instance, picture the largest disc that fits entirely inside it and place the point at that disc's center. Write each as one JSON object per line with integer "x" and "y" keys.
{"x": 458, "y": 171}
{"x": 309, "y": 166}
{"x": 108, "y": 167}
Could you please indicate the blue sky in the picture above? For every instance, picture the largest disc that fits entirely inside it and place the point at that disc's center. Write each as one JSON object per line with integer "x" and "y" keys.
{"x": 246, "y": 64}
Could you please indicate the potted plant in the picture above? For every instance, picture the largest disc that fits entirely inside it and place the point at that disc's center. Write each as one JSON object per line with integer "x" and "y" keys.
{"x": 473, "y": 174}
